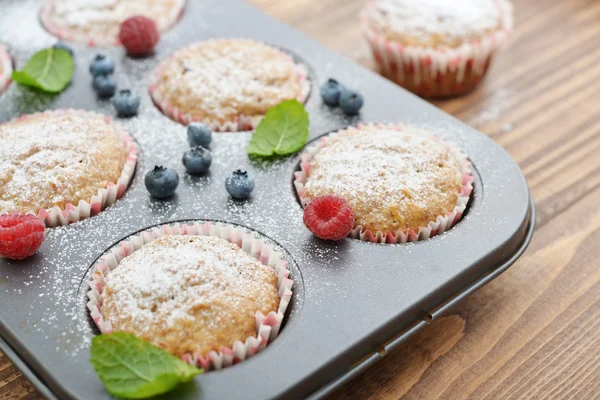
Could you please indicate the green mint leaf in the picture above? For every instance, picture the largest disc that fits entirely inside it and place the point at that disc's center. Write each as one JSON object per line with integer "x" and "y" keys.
{"x": 283, "y": 130}
{"x": 50, "y": 70}
{"x": 132, "y": 368}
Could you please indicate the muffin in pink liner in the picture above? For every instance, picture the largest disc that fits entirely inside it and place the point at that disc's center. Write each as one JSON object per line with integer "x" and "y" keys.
{"x": 199, "y": 293}
{"x": 6, "y": 68}
{"x": 227, "y": 84}
{"x": 436, "y": 48}
{"x": 98, "y": 22}
{"x": 403, "y": 184}
{"x": 64, "y": 165}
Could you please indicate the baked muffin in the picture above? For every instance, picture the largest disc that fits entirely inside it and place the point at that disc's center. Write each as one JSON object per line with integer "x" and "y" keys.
{"x": 56, "y": 159}
{"x": 98, "y": 22}
{"x": 189, "y": 294}
{"x": 398, "y": 180}
{"x": 6, "y": 68}
{"x": 228, "y": 84}
{"x": 436, "y": 48}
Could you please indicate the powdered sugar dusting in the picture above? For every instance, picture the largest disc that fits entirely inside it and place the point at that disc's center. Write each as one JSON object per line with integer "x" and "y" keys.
{"x": 394, "y": 180}
{"x": 189, "y": 293}
{"x": 99, "y": 21}
{"x": 223, "y": 81}
{"x": 437, "y": 21}
{"x": 53, "y": 159}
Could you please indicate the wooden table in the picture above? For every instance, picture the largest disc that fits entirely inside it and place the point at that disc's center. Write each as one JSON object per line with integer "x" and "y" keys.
{"x": 535, "y": 331}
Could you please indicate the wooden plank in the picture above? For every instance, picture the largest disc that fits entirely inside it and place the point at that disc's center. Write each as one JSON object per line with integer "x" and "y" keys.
{"x": 532, "y": 333}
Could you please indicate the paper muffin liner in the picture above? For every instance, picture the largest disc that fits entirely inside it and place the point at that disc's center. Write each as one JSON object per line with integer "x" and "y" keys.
{"x": 441, "y": 224}
{"x": 93, "y": 39}
{"x": 6, "y": 68}
{"x": 242, "y": 122}
{"x": 106, "y": 196}
{"x": 267, "y": 326}
{"x": 437, "y": 71}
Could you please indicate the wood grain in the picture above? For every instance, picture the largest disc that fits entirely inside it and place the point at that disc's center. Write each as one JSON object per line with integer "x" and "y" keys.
{"x": 535, "y": 331}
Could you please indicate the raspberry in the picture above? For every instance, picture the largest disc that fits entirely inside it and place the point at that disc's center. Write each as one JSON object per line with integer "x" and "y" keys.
{"x": 329, "y": 217}
{"x": 20, "y": 235}
{"x": 139, "y": 35}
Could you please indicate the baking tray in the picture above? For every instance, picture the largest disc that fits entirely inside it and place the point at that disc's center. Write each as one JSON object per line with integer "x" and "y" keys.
{"x": 353, "y": 301}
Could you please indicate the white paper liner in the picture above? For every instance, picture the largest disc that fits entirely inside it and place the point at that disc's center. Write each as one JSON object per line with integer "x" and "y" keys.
{"x": 267, "y": 327}
{"x": 441, "y": 224}
{"x": 95, "y": 39}
{"x": 6, "y": 68}
{"x": 405, "y": 62}
{"x": 242, "y": 123}
{"x": 106, "y": 196}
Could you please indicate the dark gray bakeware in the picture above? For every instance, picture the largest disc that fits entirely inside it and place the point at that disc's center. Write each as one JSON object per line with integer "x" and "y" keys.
{"x": 353, "y": 301}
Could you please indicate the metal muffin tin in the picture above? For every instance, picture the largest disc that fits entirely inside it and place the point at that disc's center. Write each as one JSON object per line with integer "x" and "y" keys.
{"x": 353, "y": 301}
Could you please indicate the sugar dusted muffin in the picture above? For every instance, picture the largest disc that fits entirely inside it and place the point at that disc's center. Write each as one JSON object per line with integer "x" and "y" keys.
{"x": 6, "y": 68}
{"x": 58, "y": 158}
{"x": 398, "y": 180}
{"x": 189, "y": 294}
{"x": 98, "y": 22}
{"x": 228, "y": 84}
{"x": 436, "y": 48}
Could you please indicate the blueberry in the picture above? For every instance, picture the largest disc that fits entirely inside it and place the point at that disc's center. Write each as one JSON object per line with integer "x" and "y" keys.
{"x": 239, "y": 185}
{"x": 331, "y": 91}
{"x": 351, "y": 102}
{"x": 126, "y": 103}
{"x": 105, "y": 85}
{"x": 197, "y": 160}
{"x": 198, "y": 134}
{"x": 161, "y": 182}
{"x": 101, "y": 65}
{"x": 64, "y": 46}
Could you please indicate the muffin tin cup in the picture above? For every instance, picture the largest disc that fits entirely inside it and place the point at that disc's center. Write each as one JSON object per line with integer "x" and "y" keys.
{"x": 242, "y": 123}
{"x": 95, "y": 38}
{"x": 267, "y": 326}
{"x": 441, "y": 224}
{"x": 6, "y": 68}
{"x": 437, "y": 72}
{"x": 105, "y": 196}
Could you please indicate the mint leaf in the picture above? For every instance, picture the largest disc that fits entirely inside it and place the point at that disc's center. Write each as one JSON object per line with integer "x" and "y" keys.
{"x": 283, "y": 130}
{"x": 132, "y": 368}
{"x": 50, "y": 70}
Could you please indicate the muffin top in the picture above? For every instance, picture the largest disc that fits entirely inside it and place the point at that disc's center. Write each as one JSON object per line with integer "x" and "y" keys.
{"x": 101, "y": 19}
{"x": 189, "y": 294}
{"x": 436, "y": 23}
{"x": 394, "y": 180}
{"x": 55, "y": 158}
{"x": 222, "y": 80}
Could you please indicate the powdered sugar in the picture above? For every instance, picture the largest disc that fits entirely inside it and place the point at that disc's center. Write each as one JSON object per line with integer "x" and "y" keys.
{"x": 98, "y": 21}
{"x": 53, "y": 159}
{"x": 392, "y": 179}
{"x": 439, "y": 21}
{"x": 228, "y": 84}
{"x": 170, "y": 279}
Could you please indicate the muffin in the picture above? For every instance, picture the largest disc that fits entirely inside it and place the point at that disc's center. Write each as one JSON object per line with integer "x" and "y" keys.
{"x": 189, "y": 294}
{"x": 6, "y": 68}
{"x": 436, "y": 48}
{"x": 97, "y": 23}
{"x": 228, "y": 84}
{"x": 63, "y": 165}
{"x": 402, "y": 183}
{"x": 211, "y": 294}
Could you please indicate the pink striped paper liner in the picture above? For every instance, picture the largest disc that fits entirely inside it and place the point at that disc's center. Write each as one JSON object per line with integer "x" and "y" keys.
{"x": 94, "y": 39}
{"x": 441, "y": 224}
{"x": 402, "y": 61}
{"x": 242, "y": 122}
{"x": 7, "y": 68}
{"x": 106, "y": 196}
{"x": 267, "y": 326}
